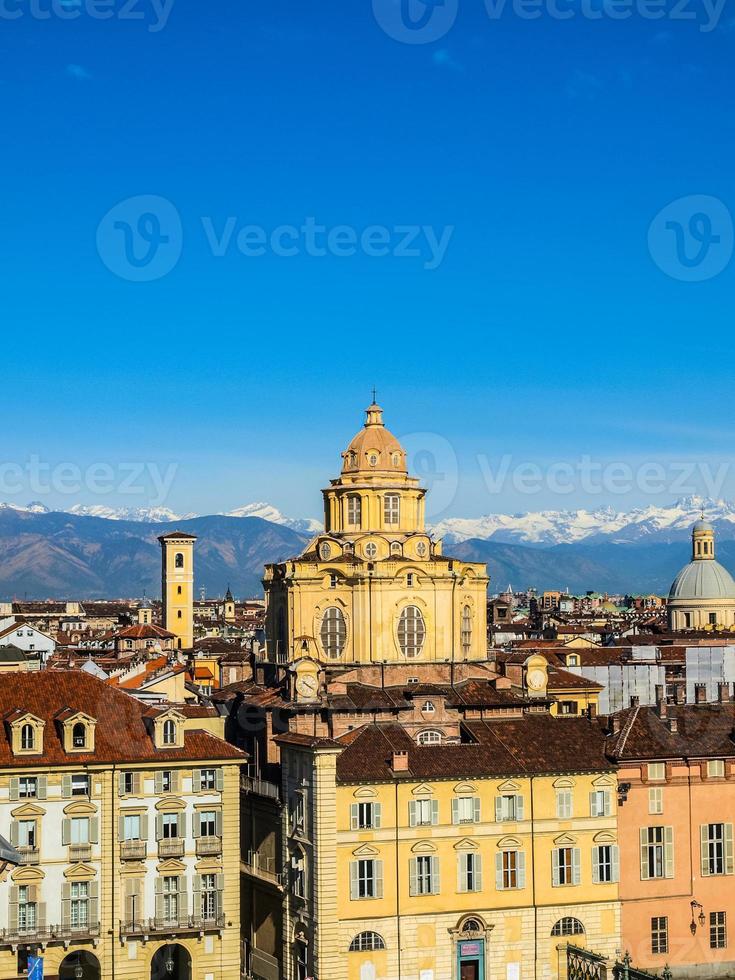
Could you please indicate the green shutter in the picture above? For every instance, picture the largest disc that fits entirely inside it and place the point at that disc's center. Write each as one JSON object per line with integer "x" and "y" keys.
{"x": 519, "y": 808}
{"x": 354, "y": 874}
{"x": 593, "y": 804}
{"x": 94, "y": 902}
{"x": 13, "y": 909}
{"x": 144, "y": 826}
{"x": 377, "y": 815}
{"x": 555, "y": 867}
{"x": 412, "y": 877}
{"x": 66, "y": 904}
{"x": 14, "y": 788}
{"x": 378, "y": 872}
{"x": 476, "y": 809}
{"x": 461, "y": 873}
{"x": 196, "y": 908}
{"x": 66, "y": 831}
{"x": 412, "y": 813}
{"x": 499, "y": 870}
{"x": 455, "y": 811}
{"x": 576, "y": 866}
{"x": 521, "y": 866}
{"x": 158, "y": 783}
{"x": 435, "y": 811}
{"x": 196, "y": 824}
{"x": 354, "y": 816}
{"x": 121, "y": 784}
{"x": 42, "y": 789}
{"x": 14, "y": 833}
{"x": 181, "y": 821}
{"x": 159, "y": 897}
{"x": 615, "y": 862}
{"x": 121, "y": 827}
{"x": 219, "y": 780}
{"x": 66, "y": 786}
{"x": 218, "y": 823}
{"x": 94, "y": 830}
{"x": 196, "y": 781}
{"x": 704, "y": 848}
{"x": 435, "y": 885}
{"x": 159, "y": 828}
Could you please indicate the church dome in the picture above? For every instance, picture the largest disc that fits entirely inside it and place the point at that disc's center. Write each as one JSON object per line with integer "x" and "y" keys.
{"x": 374, "y": 447}
{"x": 701, "y": 580}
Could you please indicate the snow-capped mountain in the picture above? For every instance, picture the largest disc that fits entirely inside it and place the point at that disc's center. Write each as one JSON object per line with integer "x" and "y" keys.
{"x": 33, "y": 508}
{"x": 267, "y": 512}
{"x": 143, "y": 515}
{"x": 550, "y": 527}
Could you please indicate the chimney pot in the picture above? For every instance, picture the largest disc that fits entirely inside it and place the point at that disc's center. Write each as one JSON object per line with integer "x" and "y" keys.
{"x": 635, "y": 701}
{"x": 700, "y": 693}
{"x": 724, "y": 692}
{"x": 615, "y": 724}
{"x": 673, "y": 726}
{"x": 400, "y": 762}
{"x": 661, "y": 708}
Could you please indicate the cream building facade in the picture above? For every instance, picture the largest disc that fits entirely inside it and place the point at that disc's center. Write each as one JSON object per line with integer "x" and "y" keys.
{"x": 702, "y": 595}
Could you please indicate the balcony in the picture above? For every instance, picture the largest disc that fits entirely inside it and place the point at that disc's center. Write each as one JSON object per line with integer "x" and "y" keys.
{"x": 28, "y": 854}
{"x": 171, "y": 847}
{"x": 49, "y": 934}
{"x": 133, "y": 850}
{"x": 262, "y": 867}
{"x": 261, "y": 787}
{"x": 208, "y": 846}
{"x": 80, "y": 852}
{"x": 157, "y": 927}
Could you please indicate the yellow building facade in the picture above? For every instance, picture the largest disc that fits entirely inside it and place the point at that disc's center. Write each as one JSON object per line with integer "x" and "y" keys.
{"x": 177, "y": 586}
{"x": 375, "y": 587}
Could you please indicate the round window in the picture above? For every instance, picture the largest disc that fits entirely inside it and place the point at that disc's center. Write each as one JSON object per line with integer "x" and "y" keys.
{"x": 421, "y": 549}
{"x": 373, "y": 459}
{"x": 325, "y": 551}
{"x": 371, "y": 550}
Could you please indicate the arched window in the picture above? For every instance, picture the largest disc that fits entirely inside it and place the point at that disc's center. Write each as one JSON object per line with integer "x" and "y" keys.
{"x": 568, "y": 926}
{"x": 429, "y": 737}
{"x": 333, "y": 633}
{"x": 466, "y": 634}
{"x": 169, "y": 732}
{"x": 365, "y": 942}
{"x": 354, "y": 510}
{"x": 411, "y": 631}
{"x": 27, "y": 737}
{"x": 392, "y": 508}
{"x": 471, "y": 925}
{"x": 395, "y": 547}
{"x": 79, "y": 736}
{"x": 179, "y": 560}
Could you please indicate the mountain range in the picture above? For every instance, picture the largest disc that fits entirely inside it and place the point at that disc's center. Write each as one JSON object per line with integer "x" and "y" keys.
{"x": 92, "y": 552}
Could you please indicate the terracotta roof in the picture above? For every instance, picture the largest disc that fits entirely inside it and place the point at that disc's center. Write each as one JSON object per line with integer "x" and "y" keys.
{"x": 121, "y": 734}
{"x": 562, "y": 680}
{"x": 141, "y": 632}
{"x": 703, "y": 730}
{"x": 177, "y": 534}
{"x": 532, "y": 745}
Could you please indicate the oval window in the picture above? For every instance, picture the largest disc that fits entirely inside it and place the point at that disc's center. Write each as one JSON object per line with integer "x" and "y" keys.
{"x": 411, "y": 631}
{"x": 333, "y": 633}
{"x": 371, "y": 550}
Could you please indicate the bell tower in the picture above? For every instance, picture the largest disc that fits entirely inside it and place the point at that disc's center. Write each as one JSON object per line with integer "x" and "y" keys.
{"x": 703, "y": 541}
{"x": 177, "y": 586}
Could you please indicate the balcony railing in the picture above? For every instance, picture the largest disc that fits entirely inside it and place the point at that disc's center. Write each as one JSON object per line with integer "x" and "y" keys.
{"x": 208, "y": 846}
{"x": 80, "y": 852}
{"x": 133, "y": 850}
{"x": 190, "y": 923}
{"x": 28, "y": 854}
{"x": 260, "y": 787}
{"x": 49, "y": 934}
{"x": 171, "y": 847}
{"x": 261, "y": 866}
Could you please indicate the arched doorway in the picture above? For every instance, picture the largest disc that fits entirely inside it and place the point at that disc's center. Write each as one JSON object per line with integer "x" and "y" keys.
{"x": 171, "y": 962}
{"x": 79, "y": 965}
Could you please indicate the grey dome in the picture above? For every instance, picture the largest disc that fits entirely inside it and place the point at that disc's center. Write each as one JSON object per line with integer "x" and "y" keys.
{"x": 703, "y": 580}
{"x": 703, "y": 525}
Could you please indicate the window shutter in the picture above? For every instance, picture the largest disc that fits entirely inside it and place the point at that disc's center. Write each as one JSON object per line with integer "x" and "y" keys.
{"x": 219, "y": 780}
{"x": 196, "y": 821}
{"x": 499, "y": 871}
{"x": 615, "y": 858}
{"x": 461, "y": 873}
{"x": 121, "y": 827}
{"x": 14, "y": 833}
{"x": 196, "y": 781}
{"x": 412, "y": 813}
{"x": 42, "y": 787}
{"x": 704, "y": 848}
{"x": 519, "y": 808}
{"x": 608, "y": 803}
{"x": 669, "y": 849}
{"x": 144, "y": 826}
{"x": 435, "y": 886}
{"x": 159, "y": 897}
{"x": 183, "y": 898}
{"x": 14, "y": 788}
{"x": 435, "y": 811}
{"x": 644, "y": 853}
{"x": 94, "y": 830}
{"x": 66, "y": 831}
{"x": 498, "y": 808}
{"x": 354, "y": 871}
{"x": 354, "y": 816}
{"x": 576, "y": 866}
{"x": 175, "y": 781}
{"x": 66, "y": 786}
{"x": 41, "y": 915}
{"x": 476, "y": 809}
{"x": 121, "y": 784}
{"x": 196, "y": 907}
{"x": 412, "y": 877}
{"x": 521, "y": 866}
{"x": 137, "y": 783}
{"x": 595, "y": 865}
{"x": 218, "y": 823}
{"x": 66, "y": 903}
{"x": 159, "y": 828}
{"x": 728, "y": 849}
{"x": 478, "y": 872}
{"x": 94, "y": 902}
{"x": 13, "y": 909}
{"x": 593, "y": 805}
{"x": 555, "y": 868}
{"x": 378, "y": 872}
{"x": 455, "y": 811}
{"x": 220, "y": 882}
{"x": 158, "y": 783}
{"x": 181, "y": 821}
{"x": 377, "y": 815}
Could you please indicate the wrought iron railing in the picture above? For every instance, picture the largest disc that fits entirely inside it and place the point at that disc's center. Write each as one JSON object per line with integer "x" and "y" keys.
{"x": 133, "y": 850}
{"x": 208, "y": 846}
{"x": 171, "y": 847}
{"x": 187, "y": 923}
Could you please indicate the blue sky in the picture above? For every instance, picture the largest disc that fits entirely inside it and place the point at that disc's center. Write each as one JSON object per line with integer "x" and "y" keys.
{"x": 543, "y": 149}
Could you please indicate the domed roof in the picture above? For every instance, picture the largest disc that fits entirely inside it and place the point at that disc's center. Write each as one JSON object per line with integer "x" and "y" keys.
{"x": 702, "y": 580}
{"x": 702, "y": 525}
{"x": 374, "y": 447}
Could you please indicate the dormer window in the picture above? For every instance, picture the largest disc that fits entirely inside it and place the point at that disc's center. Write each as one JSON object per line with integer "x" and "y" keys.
{"x": 427, "y": 708}
{"x": 79, "y": 736}
{"x": 169, "y": 732}
{"x": 27, "y": 738}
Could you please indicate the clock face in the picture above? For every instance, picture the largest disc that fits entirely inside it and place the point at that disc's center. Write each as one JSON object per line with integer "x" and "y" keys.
{"x": 536, "y": 679}
{"x": 307, "y": 685}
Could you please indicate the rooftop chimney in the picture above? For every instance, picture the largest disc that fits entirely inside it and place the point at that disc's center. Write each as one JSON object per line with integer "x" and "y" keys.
{"x": 615, "y": 724}
{"x": 700, "y": 693}
{"x": 635, "y": 701}
{"x": 661, "y": 708}
{"x": 673, "y": 726}
{"x": 723, "y": 692}
{"x": 400, "y": 762}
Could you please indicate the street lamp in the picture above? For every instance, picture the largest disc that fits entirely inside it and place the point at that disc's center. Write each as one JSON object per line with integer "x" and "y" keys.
{"x": 78, "y": 971}
{"x": 170, "y": 964}
{"x": 700, "y": 918}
